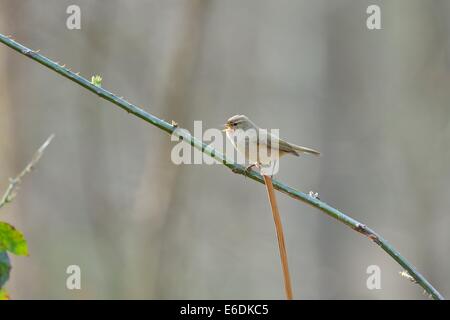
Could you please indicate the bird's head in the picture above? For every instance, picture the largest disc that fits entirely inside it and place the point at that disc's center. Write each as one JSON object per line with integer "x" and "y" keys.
{"x": 238, "y": 122}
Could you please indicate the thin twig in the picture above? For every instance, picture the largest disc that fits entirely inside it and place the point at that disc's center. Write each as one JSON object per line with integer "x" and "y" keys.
{"x": 280, "y": 237}
{"x": 14, "y": 183}
{"x": 239, "y": 169}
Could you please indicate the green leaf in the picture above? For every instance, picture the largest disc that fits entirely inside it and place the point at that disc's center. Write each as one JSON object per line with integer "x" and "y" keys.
{"x": 12, "y": 240}
{"x": 96, "y": 80}
{"x": 4, "y": 295}
{"x": 5, "y": 268}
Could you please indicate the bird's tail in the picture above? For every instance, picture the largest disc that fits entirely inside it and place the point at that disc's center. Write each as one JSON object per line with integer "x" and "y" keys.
{"x": 306, "y": 150}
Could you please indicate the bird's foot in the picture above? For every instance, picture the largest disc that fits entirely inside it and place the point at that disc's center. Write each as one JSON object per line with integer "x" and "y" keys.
{"x": 248, "y": 169}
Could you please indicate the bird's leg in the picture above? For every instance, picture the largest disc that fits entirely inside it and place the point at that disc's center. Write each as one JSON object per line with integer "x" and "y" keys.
{"x": 268, "y": 169}
{"x": 274, "y": 165}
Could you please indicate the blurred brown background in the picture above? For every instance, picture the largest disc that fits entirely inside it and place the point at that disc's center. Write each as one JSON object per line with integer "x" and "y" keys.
{"x": 106, "y": 196}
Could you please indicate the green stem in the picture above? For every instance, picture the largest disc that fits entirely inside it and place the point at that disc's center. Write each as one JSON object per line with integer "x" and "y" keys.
{"x": 172, "y": 129}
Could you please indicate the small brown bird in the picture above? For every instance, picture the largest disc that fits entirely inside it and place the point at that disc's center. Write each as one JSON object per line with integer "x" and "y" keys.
{"x": 259, "y": 146}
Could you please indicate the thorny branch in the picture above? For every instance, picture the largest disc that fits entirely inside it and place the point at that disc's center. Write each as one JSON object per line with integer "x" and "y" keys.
{"x": 14, "y": 183}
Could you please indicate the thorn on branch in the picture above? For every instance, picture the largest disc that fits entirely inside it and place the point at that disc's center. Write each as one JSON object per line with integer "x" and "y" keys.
{"x": 405, "y": 274}
{"x": 425, "y": 293}
{"x": 314, "y": 195}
